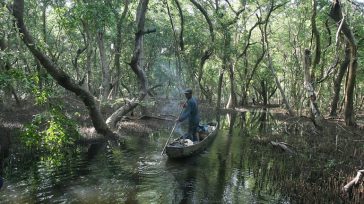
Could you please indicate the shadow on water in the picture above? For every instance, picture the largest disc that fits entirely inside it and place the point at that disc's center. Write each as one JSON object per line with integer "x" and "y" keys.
{"x": 239, "y": 167}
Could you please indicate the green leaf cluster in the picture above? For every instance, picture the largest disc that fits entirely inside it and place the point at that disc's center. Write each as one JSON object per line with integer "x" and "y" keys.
{"x": 9, "y": 76}
{"x": 50, "y": 130}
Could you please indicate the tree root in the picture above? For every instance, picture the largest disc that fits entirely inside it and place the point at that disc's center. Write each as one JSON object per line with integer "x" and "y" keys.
{"x": 348, "y": 188}
{"x": 283, "y": 146}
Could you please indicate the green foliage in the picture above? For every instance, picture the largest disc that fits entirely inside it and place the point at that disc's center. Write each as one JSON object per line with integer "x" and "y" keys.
{"x": 70, "y": 29}
{"x": 41, "y": 95}
{"x": 72, "y": 17}
{"x": 9, "y": 76}
{"x": 50, "y": 130}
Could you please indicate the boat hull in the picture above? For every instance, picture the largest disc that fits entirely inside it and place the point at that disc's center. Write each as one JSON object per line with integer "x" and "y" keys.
{"x": 176, "y": 152}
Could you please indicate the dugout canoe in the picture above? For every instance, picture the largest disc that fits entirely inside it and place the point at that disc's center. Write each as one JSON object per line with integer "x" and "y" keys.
{"x": 176, "y": 150}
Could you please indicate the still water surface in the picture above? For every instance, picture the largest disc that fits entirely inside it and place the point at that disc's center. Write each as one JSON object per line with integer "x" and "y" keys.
{"x": 231, "y": 170}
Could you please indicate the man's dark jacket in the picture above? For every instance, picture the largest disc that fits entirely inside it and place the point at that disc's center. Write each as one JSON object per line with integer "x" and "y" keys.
{"x": 191, "y": 112}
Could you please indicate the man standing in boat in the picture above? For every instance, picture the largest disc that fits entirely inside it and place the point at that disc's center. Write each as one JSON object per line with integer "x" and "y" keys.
{"x": 190, "y": 112}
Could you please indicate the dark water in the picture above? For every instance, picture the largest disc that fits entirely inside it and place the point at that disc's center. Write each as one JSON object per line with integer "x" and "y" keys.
{"x": 232, "y": 170}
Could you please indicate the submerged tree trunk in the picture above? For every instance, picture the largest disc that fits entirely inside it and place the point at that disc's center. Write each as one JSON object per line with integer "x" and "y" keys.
{"x": 136, "y": 66}
{"x": 59, "y": 75}
{"x": 310, "y": 90}
{"x": 337, "y": 15}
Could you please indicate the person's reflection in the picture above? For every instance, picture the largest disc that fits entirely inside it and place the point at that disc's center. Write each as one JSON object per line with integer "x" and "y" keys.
{"x": 188, "y": 187}
{"x": 185, "y": 173}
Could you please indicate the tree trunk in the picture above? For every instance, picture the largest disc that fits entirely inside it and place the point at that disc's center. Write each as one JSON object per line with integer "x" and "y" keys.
{"x": 104, "y": 67}
{"x": 337, "y": 82}
{"x": 59, "y": 75}
{"x": 285, "y": 101}
{"x": 176, "y": 46}
{"x": 270, "y": 62}
{"x": 232, "y": 99}
{"x": 75, "y": 62}
{"x": 348, "y": 188}
{"x": 181, "y": 42}
{"x": 248, "y": 78}
{"x": 136, "y": 66}
{"x": 337, "y": 15}
{"x": 349, "y": 96}
{"x": 118, "y": 44}
{"x": 88, "y": 64}
{"x": 264, "y": 92}
{"x": 310, "y": 90}
{"x": 219, "y": 91}
{"x": 9, "y": 89}
{"x": 316, "y": 34}
{"x": 208, "y": 52}
{"x": 87, "y": 83}
{"x": 203, "y": 60}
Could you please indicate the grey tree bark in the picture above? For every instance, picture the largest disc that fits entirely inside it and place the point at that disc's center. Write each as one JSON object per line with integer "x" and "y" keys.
{"x": 310, "y": 90}
{"x": 106, "y": 85}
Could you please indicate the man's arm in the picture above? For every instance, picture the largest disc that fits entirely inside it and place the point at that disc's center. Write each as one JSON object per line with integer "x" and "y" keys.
{"x": 186, "y": 112}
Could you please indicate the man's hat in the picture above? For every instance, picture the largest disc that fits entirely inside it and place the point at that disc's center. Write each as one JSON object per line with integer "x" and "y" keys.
{"x": 187, "y": 91}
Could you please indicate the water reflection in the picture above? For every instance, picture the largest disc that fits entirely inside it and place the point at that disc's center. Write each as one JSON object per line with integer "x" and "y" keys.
{"x": 232, "y": 170}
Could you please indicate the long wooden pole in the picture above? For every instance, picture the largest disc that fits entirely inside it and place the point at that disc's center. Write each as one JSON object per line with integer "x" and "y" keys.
{"x": 170, "y": 135}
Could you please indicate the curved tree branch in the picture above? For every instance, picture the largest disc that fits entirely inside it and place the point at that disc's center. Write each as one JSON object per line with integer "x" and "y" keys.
{"x": 208, "y": 20}
{"x": 58, "y": 74}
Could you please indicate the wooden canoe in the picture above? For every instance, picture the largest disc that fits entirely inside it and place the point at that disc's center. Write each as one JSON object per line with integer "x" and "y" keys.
{"x": 177, "y": 150}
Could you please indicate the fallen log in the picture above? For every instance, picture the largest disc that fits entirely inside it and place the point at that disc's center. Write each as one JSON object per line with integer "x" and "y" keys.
{"x": 144, "y": 117}
{"x": 348, "y": 188}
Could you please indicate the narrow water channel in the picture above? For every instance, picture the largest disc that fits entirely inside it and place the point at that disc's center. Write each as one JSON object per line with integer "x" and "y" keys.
{"x": 232, "y": 170}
